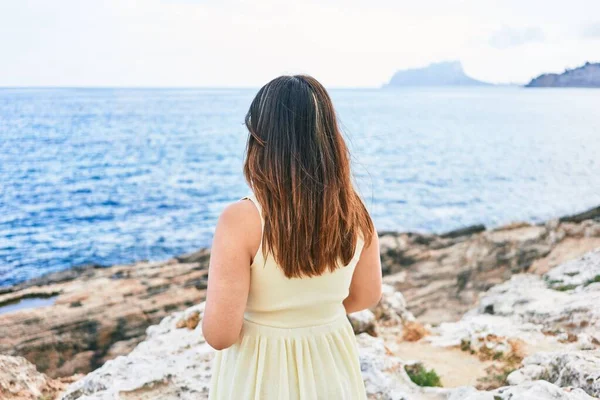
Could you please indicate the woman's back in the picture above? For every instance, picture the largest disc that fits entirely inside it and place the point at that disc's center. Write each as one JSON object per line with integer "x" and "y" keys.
{"x": 288, "y": 265}
{"x": 279, "y": 301}
{"x": 296, "y": 342}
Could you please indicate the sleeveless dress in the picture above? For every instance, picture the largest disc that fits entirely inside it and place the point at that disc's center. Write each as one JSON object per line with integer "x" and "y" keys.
{"x": 296, "y": 341}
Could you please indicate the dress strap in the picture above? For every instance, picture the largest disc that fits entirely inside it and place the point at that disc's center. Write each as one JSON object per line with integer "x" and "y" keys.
{"x": 254, "y": 200}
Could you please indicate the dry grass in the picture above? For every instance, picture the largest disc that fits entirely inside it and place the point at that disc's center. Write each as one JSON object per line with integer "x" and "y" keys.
{"x": 413, "y": 331}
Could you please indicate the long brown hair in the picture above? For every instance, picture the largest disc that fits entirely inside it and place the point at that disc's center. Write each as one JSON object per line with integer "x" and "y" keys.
{"x": 298, "y": 166}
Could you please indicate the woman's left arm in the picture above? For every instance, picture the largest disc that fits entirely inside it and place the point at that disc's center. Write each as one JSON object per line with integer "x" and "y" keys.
{"x": 229, "y": 275}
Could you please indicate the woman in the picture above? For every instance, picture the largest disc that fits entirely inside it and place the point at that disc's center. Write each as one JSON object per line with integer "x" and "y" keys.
{"x": 289, "y": 262}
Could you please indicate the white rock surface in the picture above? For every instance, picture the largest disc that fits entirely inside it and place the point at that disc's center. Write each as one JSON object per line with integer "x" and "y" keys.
{"x": 174, "y": 363}
{"x": 538, "y": 390}
{"x": 565, "y": 369}
{"x": 391, "y": 309}
{"x": 171, "y": 363}
{"x": 20, "y": 380}
{"x": 578, "y": 272}
{"x": 527, "y": 307}
{"x": 362, "y": 321}
{"x": 17, "y": 376}
{"x": 384, "y": 375}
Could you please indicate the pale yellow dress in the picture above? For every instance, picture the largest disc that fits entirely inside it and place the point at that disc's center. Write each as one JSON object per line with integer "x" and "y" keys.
{"x": 296, "y": 340}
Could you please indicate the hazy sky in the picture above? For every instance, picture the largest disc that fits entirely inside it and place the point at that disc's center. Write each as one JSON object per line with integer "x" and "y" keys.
{"x": 236, "y": 43}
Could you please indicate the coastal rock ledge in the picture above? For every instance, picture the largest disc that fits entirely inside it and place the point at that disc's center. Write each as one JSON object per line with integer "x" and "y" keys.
{"x": 505, "y": 313}
{"x": 99, "y": 313}
{"x": 174, "y": 361}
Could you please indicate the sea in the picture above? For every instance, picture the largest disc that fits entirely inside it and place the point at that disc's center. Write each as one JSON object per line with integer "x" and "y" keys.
{"x": 113, "y": 176}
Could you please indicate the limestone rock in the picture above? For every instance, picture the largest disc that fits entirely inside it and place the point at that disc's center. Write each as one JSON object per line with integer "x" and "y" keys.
{"x": 441, "y": 277}
{"x": 102, "y": 312}
{"x": 580, "y": 369}
{"x": 363, "y": 322}
{"x": 538, "y": 390}
{"x": 98, "y": 316}
{"x": 391, "y": 309}
{"x": 576, "y": 273}
{"x": 175, "y": 363}
{"x": 384, "y": 374}
{"x": 172, "y": 363}
{"x": 527, "y": 310}
{"x": 19, "y": 379}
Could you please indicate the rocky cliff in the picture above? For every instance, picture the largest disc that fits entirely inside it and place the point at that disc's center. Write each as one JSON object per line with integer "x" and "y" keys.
{"x": 449, "y": 73}
{"x": 587, "y": 75}
{"x": 101, "y": 313}
{"x": 529, "y": 306}
{"x": 542, "y": 339}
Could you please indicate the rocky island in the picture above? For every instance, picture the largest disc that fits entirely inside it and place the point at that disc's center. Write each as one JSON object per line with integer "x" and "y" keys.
{"x": 448, "y": 73}
{"x": 505, "y": 313}
{"x": 587, "y": 75}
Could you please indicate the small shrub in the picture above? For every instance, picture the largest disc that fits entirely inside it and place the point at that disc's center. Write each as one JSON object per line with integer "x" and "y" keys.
{"x": 564, "y": 288}
{"x": 465, "y": 345}
{"x": 413, "y": 331}
{"x": 595, "y": 279}
{"x": 419, "y": 375}
{"x": 496, "y": 376}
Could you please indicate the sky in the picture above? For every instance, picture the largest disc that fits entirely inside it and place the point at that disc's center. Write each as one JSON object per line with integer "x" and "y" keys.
{"x": 243, "y": 43}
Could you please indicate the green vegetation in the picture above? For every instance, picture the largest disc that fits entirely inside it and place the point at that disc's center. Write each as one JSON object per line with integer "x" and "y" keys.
{"x": 595, "y": 279}
{"x": 419, "y": 375}
{"x": 465, "y": 345}
{"x": 564, "y": 288}
{"x": 495, "y": 378}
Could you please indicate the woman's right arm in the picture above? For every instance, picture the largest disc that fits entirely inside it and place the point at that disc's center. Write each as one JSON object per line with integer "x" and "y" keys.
{"x": 365, "y": 288}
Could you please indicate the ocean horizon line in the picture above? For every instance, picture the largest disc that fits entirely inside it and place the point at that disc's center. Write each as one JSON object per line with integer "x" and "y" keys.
{"x": 492, "y": 86}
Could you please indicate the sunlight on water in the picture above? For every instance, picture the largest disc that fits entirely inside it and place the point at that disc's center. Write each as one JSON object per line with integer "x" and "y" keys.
{"x": 113, "y": 176}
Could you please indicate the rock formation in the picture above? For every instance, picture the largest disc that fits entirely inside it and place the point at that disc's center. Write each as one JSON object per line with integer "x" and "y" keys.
{"x": 449, "y": 73}
{"x": 173, "y": 362}
{"x": 20, "y": 380}
{"x": 587, "y": 75}
{"x": 442, "y": 276}
{"x": 101, "y": 313}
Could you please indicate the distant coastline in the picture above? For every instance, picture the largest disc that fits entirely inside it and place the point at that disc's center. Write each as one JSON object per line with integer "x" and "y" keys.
{"x": 586, "y": 76}
{"x": 451, "y": 73}
{"x": 447, "y": 73}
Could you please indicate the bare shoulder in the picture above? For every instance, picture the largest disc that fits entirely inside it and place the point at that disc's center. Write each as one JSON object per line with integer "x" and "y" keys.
{"x": 370, "y": 249}
{"x": 240, "y": 211}
{"x": 240, "y": 221}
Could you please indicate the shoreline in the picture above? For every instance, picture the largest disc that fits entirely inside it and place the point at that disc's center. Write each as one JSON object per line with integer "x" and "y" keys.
{"x": 98, "y": 313}
{"x": 76, "y": 271}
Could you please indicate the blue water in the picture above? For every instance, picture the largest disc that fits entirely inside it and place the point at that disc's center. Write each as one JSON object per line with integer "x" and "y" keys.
{"x": 113, "y": 176}
{"x": 25, "y": 304}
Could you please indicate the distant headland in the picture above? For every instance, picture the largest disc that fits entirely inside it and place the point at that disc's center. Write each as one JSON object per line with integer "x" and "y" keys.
{"x": 447, "y": 73}
{"x": 587, "y": 75}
